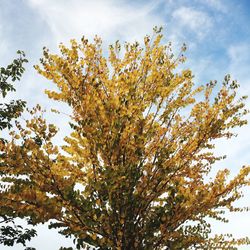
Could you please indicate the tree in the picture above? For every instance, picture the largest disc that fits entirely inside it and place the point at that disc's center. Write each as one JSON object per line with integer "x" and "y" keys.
{"x": 8, "y": 76}
{"x": 132, "y": 174}
{"x": 10, "y": 232}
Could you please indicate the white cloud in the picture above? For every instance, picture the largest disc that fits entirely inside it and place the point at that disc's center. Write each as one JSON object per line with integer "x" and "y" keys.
{"x": 239, "y": 60}
{"x": 195, "y": 20}
{"x": 239, "y": 53}
{"x": 3, "y": 41}
{"x": 109, "y": 19}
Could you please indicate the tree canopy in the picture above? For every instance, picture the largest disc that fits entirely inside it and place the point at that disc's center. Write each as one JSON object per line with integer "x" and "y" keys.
{"x": 133, "y": 174}
{"x": 8, "y": 75}
{"x": 10, "y": 233}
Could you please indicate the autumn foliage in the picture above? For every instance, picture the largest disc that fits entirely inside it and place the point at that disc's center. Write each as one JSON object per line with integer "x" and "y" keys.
{"x": 133, "y": 174}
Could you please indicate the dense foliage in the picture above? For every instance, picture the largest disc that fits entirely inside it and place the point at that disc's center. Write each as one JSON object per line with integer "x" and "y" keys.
{"x": 133, "y": 172}
{"x": 10, "y": 233}
{"x": 8, "y": 76}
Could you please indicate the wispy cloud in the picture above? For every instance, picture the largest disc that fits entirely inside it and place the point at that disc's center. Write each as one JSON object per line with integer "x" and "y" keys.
{"x": 3, "y": 42}
{"x": 239, "y": 61}
{"x": 110, "y": 19}
{"x": 190, "y": 19}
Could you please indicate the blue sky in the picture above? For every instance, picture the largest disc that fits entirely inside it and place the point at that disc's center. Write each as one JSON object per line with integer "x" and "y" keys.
{"x": 217, "y": 33}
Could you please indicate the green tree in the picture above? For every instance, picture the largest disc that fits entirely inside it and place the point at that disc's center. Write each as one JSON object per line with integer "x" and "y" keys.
{"x": 131, "y": 174}
{"x": 9, "y": 112}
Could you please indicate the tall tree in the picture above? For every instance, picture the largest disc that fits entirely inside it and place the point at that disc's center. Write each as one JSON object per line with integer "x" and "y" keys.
{"x": 132, "y": 174}
{"x": 10, "y": 233}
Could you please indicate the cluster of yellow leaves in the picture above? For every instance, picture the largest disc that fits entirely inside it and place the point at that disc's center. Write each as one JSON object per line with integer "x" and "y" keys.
{"x": 131, "y": 175}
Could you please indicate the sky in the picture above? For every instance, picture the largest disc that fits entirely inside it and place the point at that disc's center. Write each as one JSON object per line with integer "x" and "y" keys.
{"x": 217, "y": 34}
